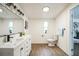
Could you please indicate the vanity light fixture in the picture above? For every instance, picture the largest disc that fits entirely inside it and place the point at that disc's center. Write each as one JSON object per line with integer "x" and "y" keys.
{"x": 1, "y": 10}
{"x": 9, "y": 4}
{"x": 20, "y": 12}
{"x": 45, "y": 9}
{"x": 15, "y": 7}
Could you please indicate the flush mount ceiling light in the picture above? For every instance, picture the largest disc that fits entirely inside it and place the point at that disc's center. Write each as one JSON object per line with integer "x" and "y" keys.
{"x": 45, "y": 9}
{"x": 0, "y": 10}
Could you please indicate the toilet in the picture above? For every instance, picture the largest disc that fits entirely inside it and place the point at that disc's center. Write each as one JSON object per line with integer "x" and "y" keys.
{"x": 52, "y": 42}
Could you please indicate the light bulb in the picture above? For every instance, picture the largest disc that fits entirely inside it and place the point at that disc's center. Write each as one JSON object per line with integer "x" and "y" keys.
{"x": 45, "y": 9}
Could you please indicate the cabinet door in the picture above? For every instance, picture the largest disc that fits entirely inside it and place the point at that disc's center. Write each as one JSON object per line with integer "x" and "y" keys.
{"x": 17, "y": 51}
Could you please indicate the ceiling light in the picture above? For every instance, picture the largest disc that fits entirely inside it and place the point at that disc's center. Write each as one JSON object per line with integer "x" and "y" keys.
{"x": 0, "y": 10}
{"x": 45, "y": 9}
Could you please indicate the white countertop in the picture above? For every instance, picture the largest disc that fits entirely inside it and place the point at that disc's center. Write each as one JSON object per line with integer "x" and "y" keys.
{"x": 12, "y": 45}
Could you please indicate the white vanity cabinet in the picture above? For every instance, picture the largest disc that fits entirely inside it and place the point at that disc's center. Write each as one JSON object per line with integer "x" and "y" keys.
{"x": 23, "y": 49}
{"x": 20, "y": 48}
{"x": 28, "y": 47}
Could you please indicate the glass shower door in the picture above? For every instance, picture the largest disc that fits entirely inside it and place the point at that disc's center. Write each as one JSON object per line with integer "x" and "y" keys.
{"x": 75, "y": 29}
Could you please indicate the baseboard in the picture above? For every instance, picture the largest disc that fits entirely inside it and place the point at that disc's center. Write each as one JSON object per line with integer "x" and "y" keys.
{"x": 39, "y": 43}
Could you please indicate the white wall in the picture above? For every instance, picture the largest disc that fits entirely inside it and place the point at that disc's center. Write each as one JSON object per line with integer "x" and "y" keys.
{"x": 63, "y": 21}
{"x": 35, "y": 27}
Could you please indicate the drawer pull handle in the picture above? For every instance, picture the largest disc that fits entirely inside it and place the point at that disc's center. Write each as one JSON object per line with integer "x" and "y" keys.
{"x": 21, "y": 49}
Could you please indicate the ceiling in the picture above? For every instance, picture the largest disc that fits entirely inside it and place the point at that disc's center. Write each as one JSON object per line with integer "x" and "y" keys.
{"x": 34, "y": 10}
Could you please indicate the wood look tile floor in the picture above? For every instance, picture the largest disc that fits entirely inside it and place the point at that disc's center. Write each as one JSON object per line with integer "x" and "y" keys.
{"x": 45, "y": 50}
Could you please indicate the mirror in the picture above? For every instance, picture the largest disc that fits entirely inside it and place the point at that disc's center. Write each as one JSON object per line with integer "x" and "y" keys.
{"x": 10, "y": 22}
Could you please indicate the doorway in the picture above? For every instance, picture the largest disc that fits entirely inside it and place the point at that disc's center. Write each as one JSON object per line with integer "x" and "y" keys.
{"x": 75, "y": 29}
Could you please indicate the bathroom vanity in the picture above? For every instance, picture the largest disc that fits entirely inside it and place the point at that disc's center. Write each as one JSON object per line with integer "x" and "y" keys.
{"x": 14, "y": 26}
{"x": 21, "y": 47}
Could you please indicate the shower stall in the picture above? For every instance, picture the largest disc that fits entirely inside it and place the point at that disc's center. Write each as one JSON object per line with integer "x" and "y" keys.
{"x": 75, "y": 29}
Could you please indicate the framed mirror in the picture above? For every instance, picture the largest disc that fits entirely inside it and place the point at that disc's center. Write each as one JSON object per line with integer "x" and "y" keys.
{"x": 10, "y": 22}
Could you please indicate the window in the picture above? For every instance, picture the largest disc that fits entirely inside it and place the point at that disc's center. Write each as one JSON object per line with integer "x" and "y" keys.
{"x": 45, "y": 27}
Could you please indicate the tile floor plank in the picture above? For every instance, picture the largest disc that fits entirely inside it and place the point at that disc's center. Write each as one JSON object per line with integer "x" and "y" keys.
{"x": 45, "y": 50}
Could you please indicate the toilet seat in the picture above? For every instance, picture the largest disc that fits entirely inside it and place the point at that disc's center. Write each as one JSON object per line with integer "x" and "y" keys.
{"x": 51, "y": 39}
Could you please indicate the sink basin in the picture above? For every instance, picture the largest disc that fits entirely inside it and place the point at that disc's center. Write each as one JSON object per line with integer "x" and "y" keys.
{"x": 15, "y": 40}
